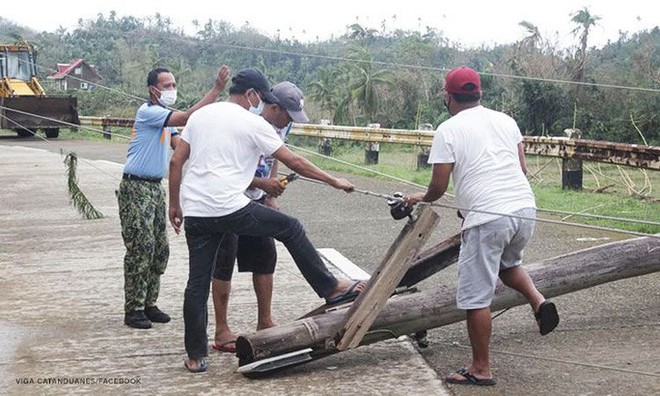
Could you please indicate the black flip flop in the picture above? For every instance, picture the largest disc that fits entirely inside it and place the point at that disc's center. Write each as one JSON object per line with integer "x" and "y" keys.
{"x": 547, "y": 317}
{"x": 350, "y": 295}
{"x": 203, "y": 366}
{"x": 470, "y": 379}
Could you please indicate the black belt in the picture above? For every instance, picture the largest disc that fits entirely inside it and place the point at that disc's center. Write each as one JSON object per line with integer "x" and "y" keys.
{"x": 128, "y": 176}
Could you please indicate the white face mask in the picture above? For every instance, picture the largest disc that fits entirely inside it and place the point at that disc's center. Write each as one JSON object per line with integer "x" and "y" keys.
{"x": 167, "y": 98}
{"x": 257, "y": 110}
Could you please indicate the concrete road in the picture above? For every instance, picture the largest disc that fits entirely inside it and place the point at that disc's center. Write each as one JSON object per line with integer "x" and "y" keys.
{"x": 607, "y": 343}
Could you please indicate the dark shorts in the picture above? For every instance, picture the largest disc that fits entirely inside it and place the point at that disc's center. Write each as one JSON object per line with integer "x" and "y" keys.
{"x": 255, "y": 254}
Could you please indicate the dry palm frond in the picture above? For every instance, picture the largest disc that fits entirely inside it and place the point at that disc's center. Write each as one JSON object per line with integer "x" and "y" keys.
{"x": 77, "y": 197}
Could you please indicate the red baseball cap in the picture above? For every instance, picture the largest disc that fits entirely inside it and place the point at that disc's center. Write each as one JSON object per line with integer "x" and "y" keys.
{"x": 462, "y": 80}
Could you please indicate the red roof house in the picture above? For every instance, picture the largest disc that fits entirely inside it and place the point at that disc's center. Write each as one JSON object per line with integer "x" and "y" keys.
{"x": 75, "y": 75}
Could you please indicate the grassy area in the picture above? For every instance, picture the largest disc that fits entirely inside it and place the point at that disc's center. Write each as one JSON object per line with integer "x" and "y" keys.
{"x": 615, "y": 200}
{"x": 120, "y": 135}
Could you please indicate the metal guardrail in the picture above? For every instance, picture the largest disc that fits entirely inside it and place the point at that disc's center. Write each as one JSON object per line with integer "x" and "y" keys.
{"x": 645, "y": 157}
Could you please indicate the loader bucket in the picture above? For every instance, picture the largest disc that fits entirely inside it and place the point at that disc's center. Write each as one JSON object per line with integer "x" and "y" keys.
{"x": 39, "y": 112}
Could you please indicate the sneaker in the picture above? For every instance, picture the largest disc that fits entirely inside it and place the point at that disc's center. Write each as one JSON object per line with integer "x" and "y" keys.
{"x": 156, "y": 315}
{"x": 137, "y": 320}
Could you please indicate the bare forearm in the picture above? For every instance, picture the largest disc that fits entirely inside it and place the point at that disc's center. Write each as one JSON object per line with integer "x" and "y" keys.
{"x": 305, "y": 168}
{"x": 433, "y": 194}
{"x": 210, "y": 97}
{"x": 175, "y": 182}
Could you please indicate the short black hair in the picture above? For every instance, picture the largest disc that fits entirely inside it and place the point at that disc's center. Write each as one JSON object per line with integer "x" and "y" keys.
{"x": 152, "y": 77}
{"x": 467, "y": 98}
{"x": 238, "y": 89}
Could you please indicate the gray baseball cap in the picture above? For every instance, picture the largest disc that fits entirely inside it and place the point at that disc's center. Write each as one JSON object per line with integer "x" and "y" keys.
{"x": 291, "y": 99}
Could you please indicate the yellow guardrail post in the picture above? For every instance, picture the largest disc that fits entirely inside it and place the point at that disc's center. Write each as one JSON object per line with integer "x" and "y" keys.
{"x": 106, "y": 128}
{"x": 422, "y": 150}
{"x": 372, "y": 148}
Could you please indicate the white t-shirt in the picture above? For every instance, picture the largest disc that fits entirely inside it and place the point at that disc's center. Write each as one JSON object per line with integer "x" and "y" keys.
{"x": 482, "y": 145}
{"x": 265, "y": 167}
{"x": 226, "y": 142}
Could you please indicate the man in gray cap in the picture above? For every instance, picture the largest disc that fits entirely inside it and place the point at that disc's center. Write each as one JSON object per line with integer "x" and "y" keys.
{"x": 222, "y": 142}
{"x": 256, "y": 254}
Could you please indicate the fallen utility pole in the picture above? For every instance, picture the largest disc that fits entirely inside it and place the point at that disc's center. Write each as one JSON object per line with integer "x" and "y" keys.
{"x": 406, "y": 314}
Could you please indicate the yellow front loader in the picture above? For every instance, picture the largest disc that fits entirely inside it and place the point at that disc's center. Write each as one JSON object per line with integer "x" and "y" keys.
{"x": 24, "y": 105}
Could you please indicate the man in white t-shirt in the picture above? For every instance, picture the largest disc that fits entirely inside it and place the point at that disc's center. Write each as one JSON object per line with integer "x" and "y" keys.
{"x": 256, "y": 254}
{"x": 483, "y": 152}
{"x": 222, "y": 143}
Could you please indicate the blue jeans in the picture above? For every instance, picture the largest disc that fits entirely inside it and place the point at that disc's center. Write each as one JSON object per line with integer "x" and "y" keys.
{"x": 203, "y": 235}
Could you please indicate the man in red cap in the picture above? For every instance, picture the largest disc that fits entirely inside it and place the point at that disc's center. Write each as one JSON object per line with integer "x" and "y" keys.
{"x": 483, "y": 152}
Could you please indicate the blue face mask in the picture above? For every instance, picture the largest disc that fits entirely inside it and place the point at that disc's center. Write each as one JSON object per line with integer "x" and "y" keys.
{"x": 260, "y": 107}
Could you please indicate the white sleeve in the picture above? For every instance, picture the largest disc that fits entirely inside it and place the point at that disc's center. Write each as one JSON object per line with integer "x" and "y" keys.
{"x": 442, "y": 150}
{"x": 267, "y": 139}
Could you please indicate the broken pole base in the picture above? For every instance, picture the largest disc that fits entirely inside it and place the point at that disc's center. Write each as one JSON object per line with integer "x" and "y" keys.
{"x": 436, "y": 307}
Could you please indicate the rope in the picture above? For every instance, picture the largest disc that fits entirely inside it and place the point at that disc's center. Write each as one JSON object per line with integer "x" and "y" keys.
{"x": 90, "y": 164}
{"x": 69, "y": 124}
{"x": 565, "y": 361}
{"x": 559, "y": 212}
{"x": 542, "y": 220}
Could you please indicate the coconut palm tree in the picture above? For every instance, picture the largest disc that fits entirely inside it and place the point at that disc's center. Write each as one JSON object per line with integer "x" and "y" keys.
{"x": 585, "y": 21}
{"x": 365, "y": 82}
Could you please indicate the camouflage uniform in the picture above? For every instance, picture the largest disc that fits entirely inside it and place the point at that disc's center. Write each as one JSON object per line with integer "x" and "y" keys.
{"x": 142, "y": 211}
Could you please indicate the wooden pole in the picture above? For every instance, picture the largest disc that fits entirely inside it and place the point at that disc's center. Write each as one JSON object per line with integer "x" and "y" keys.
{"x": 436, "y": 307}
{"x": 387, "y": 276}
{"x": 432, "y": 260}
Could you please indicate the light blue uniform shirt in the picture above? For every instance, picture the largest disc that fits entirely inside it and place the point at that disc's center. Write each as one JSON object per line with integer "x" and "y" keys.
{"x": 148, "y": 151}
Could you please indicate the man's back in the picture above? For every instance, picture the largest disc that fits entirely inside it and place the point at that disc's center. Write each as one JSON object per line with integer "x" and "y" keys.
{"x": 225, "y": 144}
{"x": 487, "y": 175}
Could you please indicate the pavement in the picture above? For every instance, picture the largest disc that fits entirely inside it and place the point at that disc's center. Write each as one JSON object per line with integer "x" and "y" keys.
{"x": 61, "y": 313}
{"x": 61, "y": 326}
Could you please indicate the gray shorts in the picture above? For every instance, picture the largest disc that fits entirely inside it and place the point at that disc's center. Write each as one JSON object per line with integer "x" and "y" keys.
{"x": 486, "y": 250}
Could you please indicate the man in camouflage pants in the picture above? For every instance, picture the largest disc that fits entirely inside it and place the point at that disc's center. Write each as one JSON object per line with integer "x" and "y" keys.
{"x": 142, "y": 198}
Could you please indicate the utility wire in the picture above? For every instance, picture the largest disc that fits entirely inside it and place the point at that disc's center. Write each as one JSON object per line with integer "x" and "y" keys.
{"x": 432, "y": 68}
{"x": 392, "y": 65}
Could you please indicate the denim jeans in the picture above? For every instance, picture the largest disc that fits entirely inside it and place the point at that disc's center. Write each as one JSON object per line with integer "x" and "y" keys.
{"x": 203, "y": 235}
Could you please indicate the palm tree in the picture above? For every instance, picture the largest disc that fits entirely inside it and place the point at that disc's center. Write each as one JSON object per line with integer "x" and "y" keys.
{"x": 321, "y": 91}
{"x": 532, "y": 39}
{"x": 365, "y": 81}
{"x": 585, "y": 22}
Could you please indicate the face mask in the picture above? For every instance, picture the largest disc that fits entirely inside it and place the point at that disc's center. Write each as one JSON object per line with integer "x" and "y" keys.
{"x": 167, "y": 98}
{"x": 256, "y": 110}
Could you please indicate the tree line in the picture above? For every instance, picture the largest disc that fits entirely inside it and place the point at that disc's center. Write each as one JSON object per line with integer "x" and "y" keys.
{"x": 388, "y": 76}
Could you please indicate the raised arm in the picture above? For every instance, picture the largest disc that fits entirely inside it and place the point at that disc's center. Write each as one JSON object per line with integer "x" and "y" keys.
{"x": 179, "y": 118}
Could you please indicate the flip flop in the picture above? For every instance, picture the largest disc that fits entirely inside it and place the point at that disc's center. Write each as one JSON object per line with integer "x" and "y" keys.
{"x": 470, "y": 379}
{"x": 203, "y": 366}
{"x": 547, "y": 317}
{"x": 349, "y": 295}
{"x": 228, "y": 346}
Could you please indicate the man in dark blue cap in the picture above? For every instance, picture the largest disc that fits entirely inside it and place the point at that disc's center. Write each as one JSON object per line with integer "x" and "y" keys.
{"x": 256, "y": 254}
{"x": 222, "y": 143}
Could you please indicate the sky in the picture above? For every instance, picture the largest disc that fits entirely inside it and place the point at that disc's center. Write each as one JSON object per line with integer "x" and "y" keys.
{"x": 468, "y": 23}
